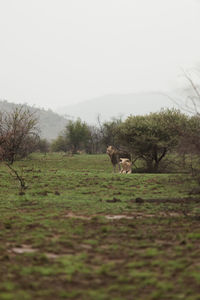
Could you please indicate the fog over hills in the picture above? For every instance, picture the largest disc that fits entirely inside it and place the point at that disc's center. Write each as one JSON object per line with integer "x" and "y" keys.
{"x": 106, "y": 107}
{"x": 119, "y": 105}
{"x": 50, "y": 123}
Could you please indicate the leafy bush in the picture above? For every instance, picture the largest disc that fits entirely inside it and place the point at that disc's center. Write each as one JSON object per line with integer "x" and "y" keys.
{"x": 151, "y": 137}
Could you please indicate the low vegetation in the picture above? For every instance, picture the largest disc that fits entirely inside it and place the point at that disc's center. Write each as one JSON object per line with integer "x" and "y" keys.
{"x": 70, "y": 228}
{"x": 151, "y": 138}
{"x": 79, "y": 231}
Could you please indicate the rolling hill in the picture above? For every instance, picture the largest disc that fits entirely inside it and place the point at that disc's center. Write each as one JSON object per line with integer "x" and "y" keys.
{"x": 122, "y": 105}
{"x": 50, "y": 123}
{"x": 106, "y": 107}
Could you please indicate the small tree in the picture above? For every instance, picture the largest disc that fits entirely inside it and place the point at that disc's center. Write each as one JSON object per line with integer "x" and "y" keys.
{"x": 152, "y": 136}
{"x": 60, "y": 144}
{"x": 77, "y": 135}
{"x": 190, "y": 102}
{"x": 109, "y": 132}
{"x": 18, "y": 137}
{"x": 43, "y": 146}
{"x": 94, "y": 144}
{"x": 18, "y": 134}
{"x": 189, "y": 144}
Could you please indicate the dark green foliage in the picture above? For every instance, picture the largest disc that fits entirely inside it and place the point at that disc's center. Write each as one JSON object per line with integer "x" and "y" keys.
{"x": 152, "y": 136}
{"x": 43, "y": 146}
{"x": 149, "y": 138}
{"x": 77, "y": 135}
{"x": 60, "y": 144}
{"x": 109, "y": 131}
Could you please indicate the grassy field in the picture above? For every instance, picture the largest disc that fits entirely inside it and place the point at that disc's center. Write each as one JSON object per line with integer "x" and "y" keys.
{"x": 82, "y": 232}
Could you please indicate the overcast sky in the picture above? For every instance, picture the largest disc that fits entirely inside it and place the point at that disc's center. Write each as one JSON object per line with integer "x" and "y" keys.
{"x": 58, "y": 52}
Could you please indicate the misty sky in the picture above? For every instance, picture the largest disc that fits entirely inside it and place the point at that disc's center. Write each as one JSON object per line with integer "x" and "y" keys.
{"x": 58, "y": 52}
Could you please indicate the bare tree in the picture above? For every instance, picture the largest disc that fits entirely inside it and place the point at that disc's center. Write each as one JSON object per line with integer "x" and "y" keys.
{"x": 189, "y": 142}
{"x": 189, "y": 101}
{"x": 18, "y": 134}
{"x": 18, "y": 137}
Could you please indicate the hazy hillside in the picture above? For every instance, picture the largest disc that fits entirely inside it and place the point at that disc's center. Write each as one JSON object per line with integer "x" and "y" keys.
{"x": 117, "y": 105}
{"x": 50, "y": 123}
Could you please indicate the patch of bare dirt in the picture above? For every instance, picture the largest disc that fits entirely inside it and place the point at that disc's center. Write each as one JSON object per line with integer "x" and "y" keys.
{"x": 129, "y": 217}
{"x": 52, "y": 255}
{"x": 23, "y": 249}
{"x": 28, "y": 249}
{"x": 72, "y": 215}
{"x": 119, "y": 217}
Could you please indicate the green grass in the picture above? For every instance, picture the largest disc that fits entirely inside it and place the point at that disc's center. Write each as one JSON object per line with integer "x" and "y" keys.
{"x": 65, "y": 237}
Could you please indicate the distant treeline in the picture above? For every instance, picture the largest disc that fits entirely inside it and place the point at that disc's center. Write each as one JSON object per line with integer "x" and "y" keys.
{"x": 149, "y": 138}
